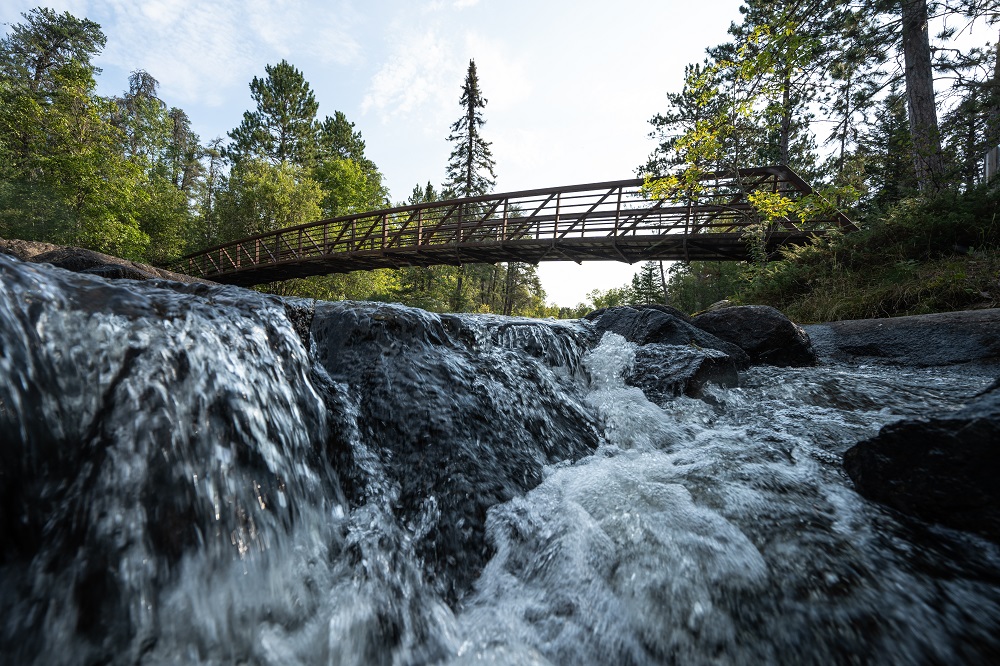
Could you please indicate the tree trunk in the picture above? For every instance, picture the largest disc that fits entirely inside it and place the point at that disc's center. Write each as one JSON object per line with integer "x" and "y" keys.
{"x": 459, "y": 301}
{"x": 663, "y": 285}
{"x": 927, "y": 157}
{"x": 786, "y": 117}
{"x": 508, "y": 297}
{"x": 993, "y": 105}
{"x": 993, "y": 122}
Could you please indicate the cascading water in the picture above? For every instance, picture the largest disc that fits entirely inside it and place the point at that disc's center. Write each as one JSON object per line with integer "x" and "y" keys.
{"x": 183, "y": 481}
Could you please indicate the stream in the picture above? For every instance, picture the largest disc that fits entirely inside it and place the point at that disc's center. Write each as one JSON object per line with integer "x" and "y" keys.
{"x": 208, "y": 475}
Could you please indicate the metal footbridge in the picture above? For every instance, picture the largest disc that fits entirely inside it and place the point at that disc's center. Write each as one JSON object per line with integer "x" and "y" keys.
{"x": 611, "y": 221}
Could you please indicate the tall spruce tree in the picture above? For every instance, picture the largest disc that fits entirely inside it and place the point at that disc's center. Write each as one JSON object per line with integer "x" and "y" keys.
{"x": 471, "y": 164}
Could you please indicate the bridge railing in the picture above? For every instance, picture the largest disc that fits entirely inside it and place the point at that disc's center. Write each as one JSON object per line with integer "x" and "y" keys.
{"x": 615, "y": 209}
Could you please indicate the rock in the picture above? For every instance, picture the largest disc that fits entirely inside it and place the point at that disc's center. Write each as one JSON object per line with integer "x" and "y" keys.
{"x": 648, "y": 325}
{"x": 80, "y": 260}
{"x": 117, "y": 272}
{"x": 666, "y": 371}
{"x": 764, "y": 333}
{"x": 719, "y": 305}
{"x": 24, "y": 250}
{"x": 941, "y": 339}
{"x": 942, "y": 469}
{"x": 666, "y": 309}
{"x": 72, "y": 259}
{"x": 452, "y": 430}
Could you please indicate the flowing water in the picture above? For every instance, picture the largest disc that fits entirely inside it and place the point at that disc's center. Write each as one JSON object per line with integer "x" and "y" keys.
{"x": 183, "y": 481}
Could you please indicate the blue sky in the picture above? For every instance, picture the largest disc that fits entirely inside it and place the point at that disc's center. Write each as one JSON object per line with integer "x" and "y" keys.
{"x": 571, "y": 84}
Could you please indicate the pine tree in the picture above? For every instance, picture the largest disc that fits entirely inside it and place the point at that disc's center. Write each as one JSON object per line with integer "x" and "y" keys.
{"x": 283, "y": 127}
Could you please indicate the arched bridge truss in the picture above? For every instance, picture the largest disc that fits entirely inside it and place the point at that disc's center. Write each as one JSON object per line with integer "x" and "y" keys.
{"x": 612, "y": 221}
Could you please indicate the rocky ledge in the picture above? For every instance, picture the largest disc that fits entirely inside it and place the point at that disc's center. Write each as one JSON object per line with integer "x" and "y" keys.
{"x": 970, "y": 337}
{"x": 944, "y": 467}
{"x": 80, "y": 260}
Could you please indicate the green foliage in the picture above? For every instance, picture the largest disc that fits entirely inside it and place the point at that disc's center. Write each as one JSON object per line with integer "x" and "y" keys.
{"x": 65, "y": 155}
{"x": 923, "y": 255}
{"x": 262, "y": 197}
{"x": 349, "y": 186}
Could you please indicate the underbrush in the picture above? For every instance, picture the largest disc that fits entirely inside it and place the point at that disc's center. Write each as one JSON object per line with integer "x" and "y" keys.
{"x": 924, "y": 255}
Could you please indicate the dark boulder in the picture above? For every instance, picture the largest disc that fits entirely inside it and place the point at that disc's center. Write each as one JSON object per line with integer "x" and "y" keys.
{"x": 943, "y": 469}
{"x": 666, "y": 371}
{"x": 666, "y": 309}
{"x": 764, "y": 333}
{"x": 453, "y": 431}
{"x": 648, "y": 325}
{"x": 80, "y": 260}
{"x": 72, "y": 259}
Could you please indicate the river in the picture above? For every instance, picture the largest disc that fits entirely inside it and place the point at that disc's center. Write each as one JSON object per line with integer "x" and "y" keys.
{"x": 184, "y": 481}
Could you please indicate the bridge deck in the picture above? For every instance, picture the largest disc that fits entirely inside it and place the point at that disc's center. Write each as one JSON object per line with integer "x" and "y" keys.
{"x": 612, "y": 221}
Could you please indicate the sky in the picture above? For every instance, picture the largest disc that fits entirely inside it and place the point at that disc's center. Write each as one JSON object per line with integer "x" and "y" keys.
{"x": 571, "y": 84}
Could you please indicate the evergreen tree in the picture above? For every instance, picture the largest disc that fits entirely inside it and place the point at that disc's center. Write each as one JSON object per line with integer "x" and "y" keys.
{"x": 336, "y": 137}
{"x": 283, "y": 126}
{"x": 471, "y": 164}
{"x": 36, "y": 50}
{"x": 352, "y": 183}
{"x": 647, "y": 285}
{"x": 470, "y": 174}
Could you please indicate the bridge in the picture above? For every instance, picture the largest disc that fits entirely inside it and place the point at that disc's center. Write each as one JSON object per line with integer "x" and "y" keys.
{"x": 611, "y": 221}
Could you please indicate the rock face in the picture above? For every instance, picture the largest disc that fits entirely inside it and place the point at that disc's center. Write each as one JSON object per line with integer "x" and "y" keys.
{"x": 764, "y": 333}
{"x": 666, "y": 371}
{"x": 943, "y": 469}
{"x": 653, "y": 325}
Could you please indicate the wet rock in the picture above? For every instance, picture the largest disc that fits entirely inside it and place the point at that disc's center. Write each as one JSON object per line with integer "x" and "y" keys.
{"x": 764, "y": 333}
{"x": 942, "y": 469}
{"x": 300, "y": 312}
{"x": 941, "y": 339}
{"x": 443, "y": 431}
{"x": 667, "y": 371}
{"x": 648, "y": 325}
{"x": 117, "y": 272}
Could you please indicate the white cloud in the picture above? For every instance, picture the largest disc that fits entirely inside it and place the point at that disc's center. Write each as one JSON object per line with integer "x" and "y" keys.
{"x": 201, "y": 51}
{"x": 416, "y": 74}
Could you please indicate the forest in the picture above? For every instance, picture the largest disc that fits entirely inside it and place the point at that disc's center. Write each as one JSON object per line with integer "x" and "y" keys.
{"x": 890, "y": 108}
